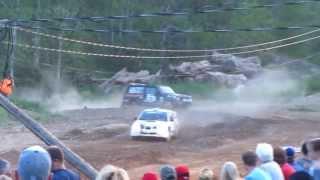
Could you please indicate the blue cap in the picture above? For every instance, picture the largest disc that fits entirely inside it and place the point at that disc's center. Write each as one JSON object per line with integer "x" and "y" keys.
{"x": 168, "y": 172}
{"x": 4, "y": 166}
{"x": 290, "y": 152}
{"x": 34, "y": 164}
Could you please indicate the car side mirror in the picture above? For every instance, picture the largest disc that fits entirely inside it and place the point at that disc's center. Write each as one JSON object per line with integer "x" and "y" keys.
{"x": 171, "y": 119}
{"x": 135, "y": 118}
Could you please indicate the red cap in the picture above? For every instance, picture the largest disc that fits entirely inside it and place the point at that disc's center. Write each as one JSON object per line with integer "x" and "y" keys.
{"x": 150, "y": 176}
{"x": 182, "y": 172}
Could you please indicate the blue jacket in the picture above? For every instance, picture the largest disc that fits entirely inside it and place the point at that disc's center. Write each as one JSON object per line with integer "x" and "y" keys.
{"x": 258, "y": 174}
{"x": 64, "y": 174}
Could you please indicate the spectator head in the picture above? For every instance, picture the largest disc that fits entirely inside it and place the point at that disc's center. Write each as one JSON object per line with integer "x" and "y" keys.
{"x": 206, "y": 174}
{"x": 300, "y": 175}
{"x": 229, "y": 171}
{"x": 150, "y": 176}
{"x": 4, "y": 167}
{"x": 182, "y": 172}
{"x": 110, "y": 172}
{"x": 34, "y": 163}
{"x": 168, "y": 172}
{"x": 4, "y": 177}
{"x": 264, "y": 152}
{"x": 249, "y": 159}
{"x": 279, "y": 155}
{"x": 314, "y": 148}
{"x": 57, "y": 157}
{"x": 290, "y": 153}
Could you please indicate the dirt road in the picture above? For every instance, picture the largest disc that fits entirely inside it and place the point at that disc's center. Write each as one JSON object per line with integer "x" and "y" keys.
{"x": 207, "y": 138}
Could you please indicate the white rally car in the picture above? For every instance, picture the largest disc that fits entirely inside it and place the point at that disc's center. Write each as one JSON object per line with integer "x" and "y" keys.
{"x": 158, "y": 123}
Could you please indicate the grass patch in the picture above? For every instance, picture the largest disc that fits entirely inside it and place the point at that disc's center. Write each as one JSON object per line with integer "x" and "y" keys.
{"x": 91, "y": 92}
{"x": 35, "y": 110}
{"x": 193, "y": 88}
{"x": 4, "y": 117}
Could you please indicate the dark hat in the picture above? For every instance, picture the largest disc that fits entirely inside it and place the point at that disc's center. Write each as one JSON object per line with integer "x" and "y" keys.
{"x": 4, "y": 166}
{"x": 168, "y": 172}
{"x": 290, "y": 152}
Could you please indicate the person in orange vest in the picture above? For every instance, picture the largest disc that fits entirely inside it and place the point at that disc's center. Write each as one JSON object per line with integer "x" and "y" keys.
{"x": 6, "y": 86}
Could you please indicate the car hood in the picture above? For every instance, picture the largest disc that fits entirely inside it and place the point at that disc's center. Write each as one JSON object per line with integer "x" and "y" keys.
{"x": 151, "y": 123}
{"x": 183, "y": 95}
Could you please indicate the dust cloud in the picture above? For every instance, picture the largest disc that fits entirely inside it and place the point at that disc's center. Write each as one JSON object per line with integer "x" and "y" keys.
{"x": 267, "y": 93}
{"x": 63, "y": 96}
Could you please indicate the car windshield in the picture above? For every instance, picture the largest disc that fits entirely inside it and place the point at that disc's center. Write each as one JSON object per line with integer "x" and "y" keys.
{"x": 161, "y": 116}
{"x": 136, "y": 90}
{"x": 166, "y": 90}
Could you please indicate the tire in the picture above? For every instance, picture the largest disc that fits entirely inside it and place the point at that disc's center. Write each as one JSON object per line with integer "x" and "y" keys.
{"x": 168, "y": 139}
{"x": 134, "y": 138}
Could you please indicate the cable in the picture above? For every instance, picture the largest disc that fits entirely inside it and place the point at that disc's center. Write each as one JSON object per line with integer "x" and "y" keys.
{"x": 178, "y": 12}
{"x": 159, "y": 57}
{"x": 161, "y": 31}
{"x": 162, "y": 50}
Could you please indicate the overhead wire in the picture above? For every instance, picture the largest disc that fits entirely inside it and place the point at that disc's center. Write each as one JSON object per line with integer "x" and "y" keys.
{"x": 163, "y": 50}
{"x": 158, "y": 57}
{"x": 161, "y": 31}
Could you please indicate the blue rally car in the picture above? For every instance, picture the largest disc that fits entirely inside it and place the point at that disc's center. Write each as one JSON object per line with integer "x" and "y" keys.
{"x": 154, "y": 95}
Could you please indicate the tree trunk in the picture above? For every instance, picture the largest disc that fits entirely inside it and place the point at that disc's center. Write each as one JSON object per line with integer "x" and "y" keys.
{"x": 36, "y": 41}
{"x": 13, "y": 55}
{"x": 59, "y": 63}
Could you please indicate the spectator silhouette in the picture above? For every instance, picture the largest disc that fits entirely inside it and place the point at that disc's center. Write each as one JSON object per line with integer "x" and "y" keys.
{"x": 264, "y": 152}
{"x": 110, "y": 172}
{"x": 229, "y": 171}
{"x": 58, "y": 167}
{"x": 250, "y": 160}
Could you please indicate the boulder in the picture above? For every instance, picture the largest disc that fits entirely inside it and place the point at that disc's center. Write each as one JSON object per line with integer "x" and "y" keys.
{"x": 143, "y": 76}
{"x": 250, "y": 66}
{"x": 228, "y": 80}
{"x": 193, "y": 67}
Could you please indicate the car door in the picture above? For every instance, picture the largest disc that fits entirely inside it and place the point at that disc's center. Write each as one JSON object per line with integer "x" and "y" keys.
{"x": 150, "y": 95}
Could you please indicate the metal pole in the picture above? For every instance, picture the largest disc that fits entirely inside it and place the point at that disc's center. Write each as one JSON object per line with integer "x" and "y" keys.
{"x": 48, "y": 138}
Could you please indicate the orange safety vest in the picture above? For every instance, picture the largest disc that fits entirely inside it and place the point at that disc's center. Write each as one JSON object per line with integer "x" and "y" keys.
{"x": 6, "y": 86}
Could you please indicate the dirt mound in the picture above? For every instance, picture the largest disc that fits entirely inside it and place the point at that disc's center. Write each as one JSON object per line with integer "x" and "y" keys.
{"x": 106, "y": 131}
{"x": 217, "y": 134}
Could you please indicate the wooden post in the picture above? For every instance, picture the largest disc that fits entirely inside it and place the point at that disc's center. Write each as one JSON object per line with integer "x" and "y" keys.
{"x": 48, "y": 138}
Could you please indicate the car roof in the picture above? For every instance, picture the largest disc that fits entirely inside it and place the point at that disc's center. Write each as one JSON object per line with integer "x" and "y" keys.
{"x": 158, "y": 110}
{"x": 137, "y": 84}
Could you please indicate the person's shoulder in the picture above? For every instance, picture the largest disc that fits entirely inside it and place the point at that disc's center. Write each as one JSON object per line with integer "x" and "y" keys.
{"x": 288, "y": 167}
{"x": 258, "y": 173}
{"x": 67, "y": 174}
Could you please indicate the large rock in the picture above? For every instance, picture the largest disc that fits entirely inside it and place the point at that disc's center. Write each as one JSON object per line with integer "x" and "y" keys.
{"x": 193, "y": 68}
{"x": 250, "y": 66}
{"x": 228, "y": 80}
{"x": 141, "y": 76}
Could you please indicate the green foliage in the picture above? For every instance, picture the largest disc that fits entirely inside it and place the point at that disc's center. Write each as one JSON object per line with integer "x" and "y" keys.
{"x": 26, "y": 72}
{"x": 4, "y": 118}
{"x": 36, "y": 110}
{"x": 312, "y": 85}
{"x": 194, "y": 88}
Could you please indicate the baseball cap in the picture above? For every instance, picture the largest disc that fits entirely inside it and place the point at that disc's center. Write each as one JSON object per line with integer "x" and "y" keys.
{"x": 34, "y": 164}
